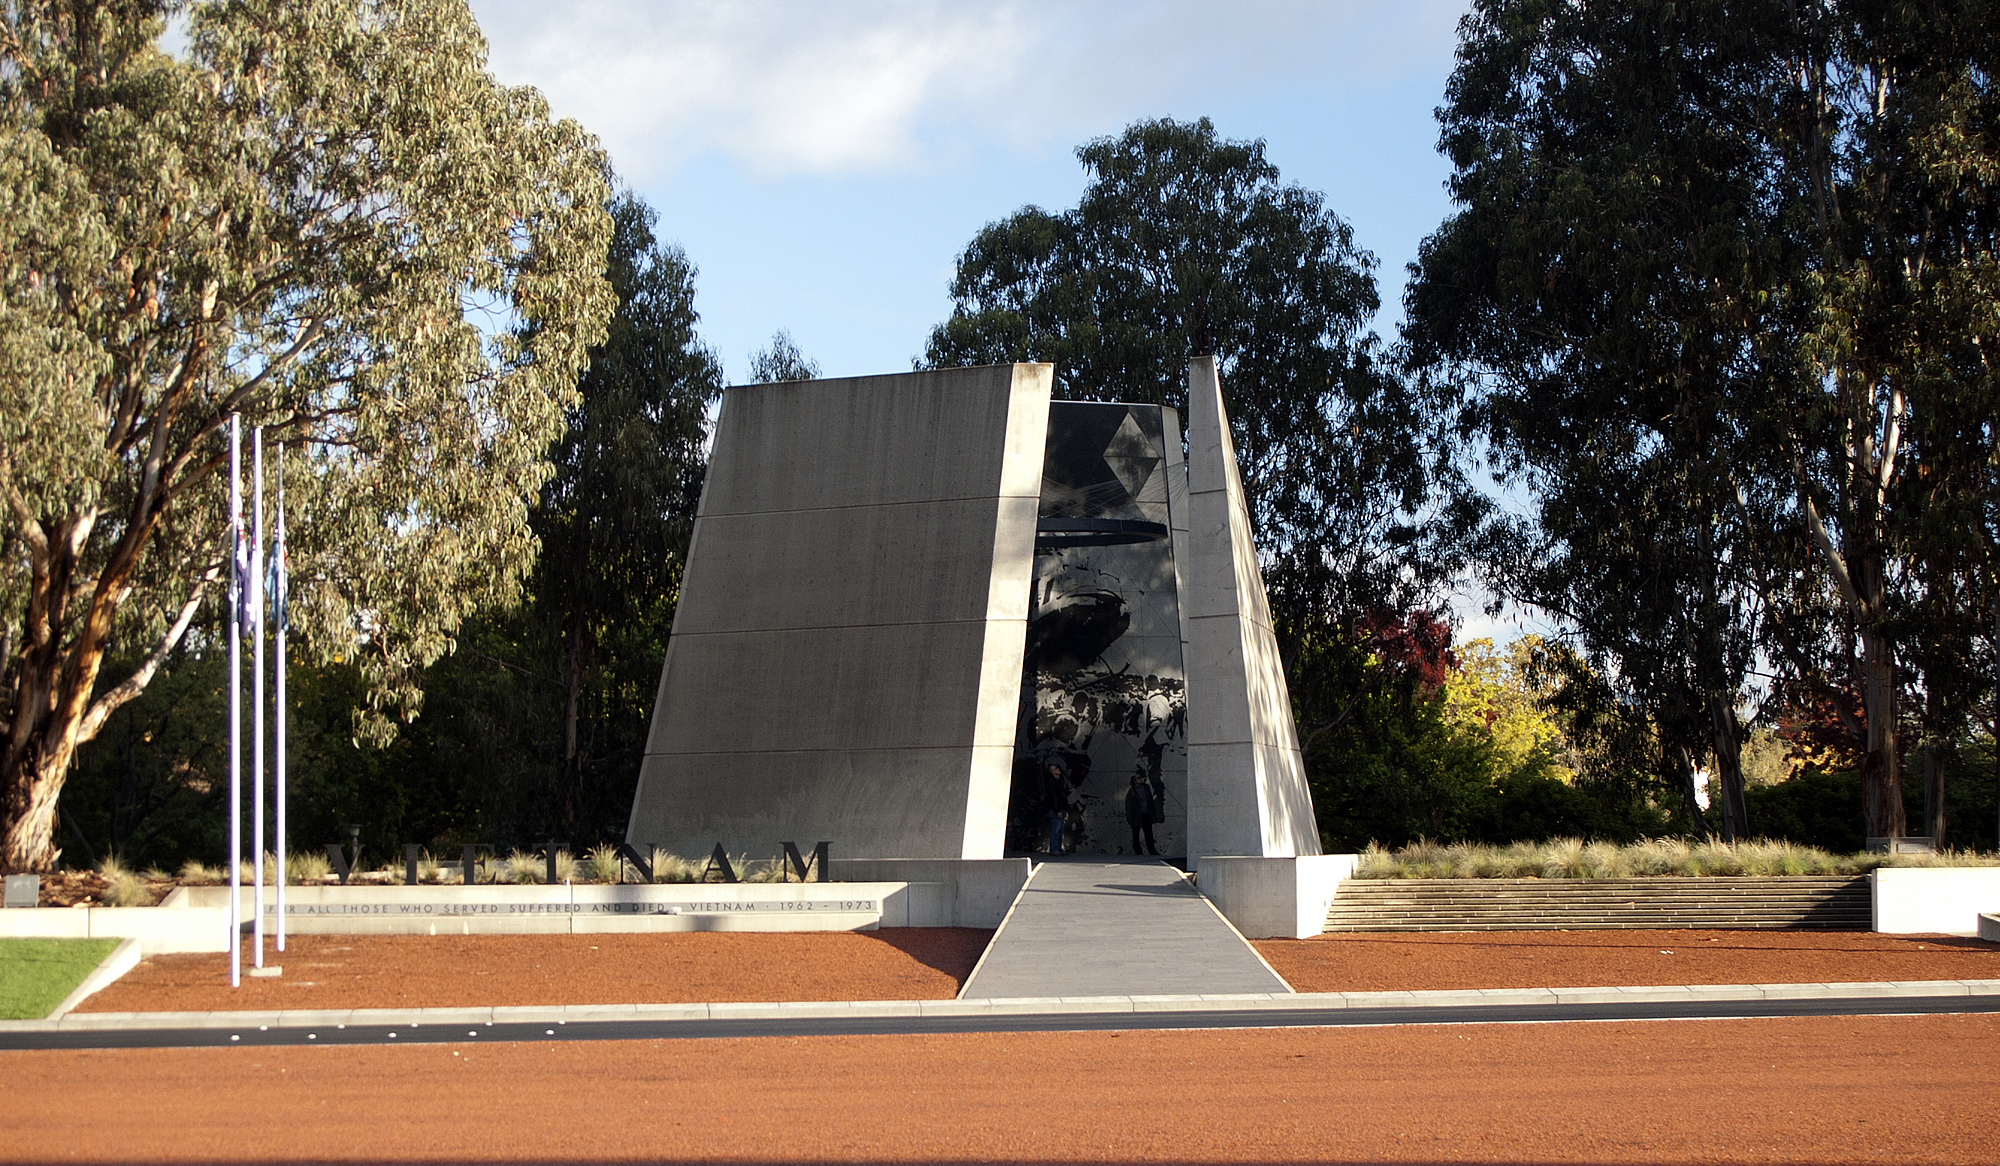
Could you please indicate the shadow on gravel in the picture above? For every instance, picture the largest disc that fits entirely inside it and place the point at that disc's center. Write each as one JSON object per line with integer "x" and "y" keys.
{"x": 951, "y": 950}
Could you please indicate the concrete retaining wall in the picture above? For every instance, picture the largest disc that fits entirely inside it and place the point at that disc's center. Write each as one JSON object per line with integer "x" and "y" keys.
{"x": 978, "y": 891}
{"x": 197, "y": 918}
{"x": 176, "y": 925}
{"x": 1946, "y": 899}
{"x": 1275, "y": 898}
{"x": 506, "y": 909}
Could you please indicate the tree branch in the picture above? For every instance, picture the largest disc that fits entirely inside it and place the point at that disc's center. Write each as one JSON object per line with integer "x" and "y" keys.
{"x": 121, "y": 694}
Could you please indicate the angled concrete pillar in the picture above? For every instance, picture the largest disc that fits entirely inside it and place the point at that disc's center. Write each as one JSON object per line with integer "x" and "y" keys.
{"x": 846, "y": 655}
{"x": 1246, "y": 782}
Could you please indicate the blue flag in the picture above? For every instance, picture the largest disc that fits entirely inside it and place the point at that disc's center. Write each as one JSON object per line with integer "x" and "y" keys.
{"x": 277, "y": 581}
{"x": 239, "y": 578}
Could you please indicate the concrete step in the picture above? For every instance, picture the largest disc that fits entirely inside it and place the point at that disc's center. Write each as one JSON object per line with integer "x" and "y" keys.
{"x": 1834, "y": 903}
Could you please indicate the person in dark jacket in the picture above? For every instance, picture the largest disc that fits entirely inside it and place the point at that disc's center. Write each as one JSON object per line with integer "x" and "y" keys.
{"x": 1057, "y": 793}
{"x": 1139, "y": 814}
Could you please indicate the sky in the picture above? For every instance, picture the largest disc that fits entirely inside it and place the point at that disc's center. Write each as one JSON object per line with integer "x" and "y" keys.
{"x": 824, "y": 163}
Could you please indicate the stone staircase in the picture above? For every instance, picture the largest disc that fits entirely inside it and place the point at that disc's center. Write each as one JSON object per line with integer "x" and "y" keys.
{"x": 1839, "y": 903}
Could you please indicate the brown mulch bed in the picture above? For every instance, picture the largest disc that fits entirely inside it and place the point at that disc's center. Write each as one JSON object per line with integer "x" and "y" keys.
{"x": 1379, "y": 962}
{"x": 1786, "y": 1091}
{"x": 87, "y": 888}
{"x": 424, "y": 971}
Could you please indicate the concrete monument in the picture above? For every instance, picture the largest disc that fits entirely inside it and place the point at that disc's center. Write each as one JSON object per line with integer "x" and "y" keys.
{"x": 908, "y": 596}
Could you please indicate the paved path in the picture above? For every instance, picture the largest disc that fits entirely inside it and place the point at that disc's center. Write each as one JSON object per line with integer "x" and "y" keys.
{"x": 1101, "y": 927}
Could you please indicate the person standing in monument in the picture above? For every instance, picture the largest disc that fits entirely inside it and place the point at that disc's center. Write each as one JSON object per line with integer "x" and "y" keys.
{"x": 1139, "y": 814}
{"x": 1057, "y": 792}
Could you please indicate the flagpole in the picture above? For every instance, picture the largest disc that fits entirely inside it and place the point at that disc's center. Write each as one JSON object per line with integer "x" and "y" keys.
{"x": 284, "y": 619}
{"x": 235, "y": 701}
{"x": 257, "y": 687}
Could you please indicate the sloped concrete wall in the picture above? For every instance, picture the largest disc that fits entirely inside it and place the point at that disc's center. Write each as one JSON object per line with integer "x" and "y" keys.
{"x": 846, "y": 656}
{"x": 1275, "y": 898}
{"x": 1246, "y": 781}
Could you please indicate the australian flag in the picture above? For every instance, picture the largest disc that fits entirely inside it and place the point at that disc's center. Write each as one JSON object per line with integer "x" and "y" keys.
{"x": 239, "y": 577}
{"x": 275, "y": 583}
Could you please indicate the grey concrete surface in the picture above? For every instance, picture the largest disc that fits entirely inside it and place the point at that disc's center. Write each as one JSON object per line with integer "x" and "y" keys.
{"x": 1246, "y": 782}
{"x": 1275, "y": 898}
{"x": 847, "y": 649}
{"x": 1103, "y": 927}
{"x": 979, "y": 890}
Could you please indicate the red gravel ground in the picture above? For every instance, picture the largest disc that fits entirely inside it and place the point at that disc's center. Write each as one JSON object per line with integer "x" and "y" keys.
{"x": 420, "y": 971}
{"x": 1835, "y": 1090}
{"x": 455, "y": 971}
{"x": 1375, "y": 962}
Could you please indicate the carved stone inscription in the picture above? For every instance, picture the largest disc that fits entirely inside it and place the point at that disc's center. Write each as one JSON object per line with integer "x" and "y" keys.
{"x": 713, "y": 907}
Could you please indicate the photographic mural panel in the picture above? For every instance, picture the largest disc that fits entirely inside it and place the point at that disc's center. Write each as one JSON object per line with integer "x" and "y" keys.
{"x": 1103, "y": 690}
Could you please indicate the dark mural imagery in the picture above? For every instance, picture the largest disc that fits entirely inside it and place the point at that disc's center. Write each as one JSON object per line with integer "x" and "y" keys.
{"x": 1103, "y": 691}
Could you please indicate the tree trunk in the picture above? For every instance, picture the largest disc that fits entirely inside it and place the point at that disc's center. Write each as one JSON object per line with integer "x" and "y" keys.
{"x": 1881, "y": 770}
{"x": 31, "y": 793}
{"x": 1934, "y": 818}
{"x": 1729, "y": 768}
{"x": 1683, "y": 764}
{"x": 1934, "y": 793}
{"x": 575, "y": 650}
{"x": 56, "y": 670}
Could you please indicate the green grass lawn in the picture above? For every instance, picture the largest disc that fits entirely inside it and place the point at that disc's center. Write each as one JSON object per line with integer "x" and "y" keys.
{"x": 35, "y": 974}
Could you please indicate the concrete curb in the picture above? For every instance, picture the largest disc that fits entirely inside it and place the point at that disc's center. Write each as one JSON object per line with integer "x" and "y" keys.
{"x": 1301, "y": 1002}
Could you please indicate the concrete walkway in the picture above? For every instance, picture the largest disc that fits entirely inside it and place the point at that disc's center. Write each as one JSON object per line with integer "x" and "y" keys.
{"x": 1104, "y": 927}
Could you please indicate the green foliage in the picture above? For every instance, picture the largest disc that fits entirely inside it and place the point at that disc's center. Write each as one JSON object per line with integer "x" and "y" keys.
{"x": 1815, "y": 808}
{"x": 38, "y": 974}
{"x": 534, "y": 727}
{"x": 316, "y": 217}
{"x": 1718, "y": 290}
{"x": 614, "y": 523}
{"x": 782, "y": 362}
{"x": 1484, "y": 755}
{"x": 1185, "y": 245}
{"x": 151, "y": 788}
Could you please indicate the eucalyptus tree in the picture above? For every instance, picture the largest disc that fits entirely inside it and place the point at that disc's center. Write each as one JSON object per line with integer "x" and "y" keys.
{"x": 782, "y": 361}
{"x": 1757, "y": 238}
{"x": 615, "y": 518}
{"x": 1185, "y": 244}
{"x": 1590, "y": 294}
{"x": 1890, "y": 137}
{"x": 324, "y": 215}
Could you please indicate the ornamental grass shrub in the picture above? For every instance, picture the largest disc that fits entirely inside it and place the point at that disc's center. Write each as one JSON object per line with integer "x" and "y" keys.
{"x": 199, "y": 874}
{"x": 1576, "y": 858}
{"x": 605, "y": 864}
{"x": 124, "y": 887}
{"x": 308, "y": 866}
{"x": 524, "y": 867}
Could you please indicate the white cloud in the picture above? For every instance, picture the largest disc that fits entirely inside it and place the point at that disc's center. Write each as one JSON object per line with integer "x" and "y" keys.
{"x": 889, "y": 85}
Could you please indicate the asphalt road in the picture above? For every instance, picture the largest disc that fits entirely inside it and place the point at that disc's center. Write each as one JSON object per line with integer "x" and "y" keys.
{"x": 1819, "y": 1090}
{"x": 627, "y": 1030}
